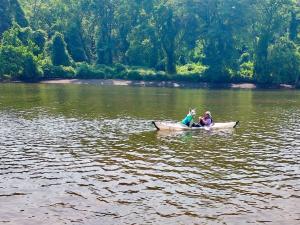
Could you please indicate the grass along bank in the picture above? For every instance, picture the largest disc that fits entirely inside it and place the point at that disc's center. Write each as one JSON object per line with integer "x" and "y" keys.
{"x": 185, "y": 73}
{"x": 187, "y": 76}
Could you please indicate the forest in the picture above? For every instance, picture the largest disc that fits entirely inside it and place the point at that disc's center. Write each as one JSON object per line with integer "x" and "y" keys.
{"x": 216, "y": 41}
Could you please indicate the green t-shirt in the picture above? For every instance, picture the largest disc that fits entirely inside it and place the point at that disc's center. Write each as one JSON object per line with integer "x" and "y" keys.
{"x": 187, "y": 119}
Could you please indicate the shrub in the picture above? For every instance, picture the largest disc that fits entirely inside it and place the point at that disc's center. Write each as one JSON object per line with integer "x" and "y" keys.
{"x": 19, "y": 63}
{"x": 245, "y": 74}
{"x": 39, "y": 39}
{"x": 245, "y": 57}
{"x": 162, "y": 76}
{"x": 191, "y": 69}
{"x": 134, "y": 75}
{"x": 74, "y": 42}
{"x": 82, "y": 70}
{"x": 5, "y": 77}
{"x": 86, "y": 71}
{"x": 109, "y": 72}
{"x": 52, "y": 72}
{"x": 121, "y": 75}
{"x": 119, "y": 68}
{"x": 58, "y": 51}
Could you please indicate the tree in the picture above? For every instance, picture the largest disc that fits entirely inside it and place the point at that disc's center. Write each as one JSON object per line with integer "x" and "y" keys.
{"x": 272, "y": 23}
{"x": 284, "y": 60}
{"x": 75, "y": 42}
{"x": 167, "y": 24}
{"x": 105, "y": 14}
{"x": 142, "y": 48}
{"x": 18, "y": 63}
{"x": 11, "y": 10}
{"x": 5, "y": 17}
{"x": 294, "y": 21}
{"x": 17, "y": 59}
{"x": 18, "y": 13}
{"x": 223, "y": 30}
{"x": 163, "y": 34}
{"x": 58, "y": 51}
{"x": 39, "y": 38}
{"x": 143, "y": 45}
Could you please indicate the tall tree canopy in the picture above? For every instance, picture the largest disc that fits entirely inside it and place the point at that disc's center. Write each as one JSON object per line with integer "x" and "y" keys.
{"x": 11, "y": 11}
{"x": 217, "y": 40}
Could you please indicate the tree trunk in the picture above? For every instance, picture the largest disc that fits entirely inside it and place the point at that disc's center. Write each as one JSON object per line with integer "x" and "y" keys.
{"x": 293, "y": 27}
{"x": 171, "y": 67}
{"x": 297, "y": 82}
{"x": 168, "y": 46}
{"x": 104, "y": 46}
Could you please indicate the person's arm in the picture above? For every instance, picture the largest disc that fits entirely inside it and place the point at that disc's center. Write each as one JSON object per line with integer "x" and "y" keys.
{"x": 207, "y": 122}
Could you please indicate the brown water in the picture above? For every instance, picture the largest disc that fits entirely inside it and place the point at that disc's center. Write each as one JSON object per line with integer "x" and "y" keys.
{"x": 83, "y": 154}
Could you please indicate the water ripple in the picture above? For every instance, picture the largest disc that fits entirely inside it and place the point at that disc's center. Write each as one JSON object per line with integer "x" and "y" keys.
{"x": 65, "y": 170}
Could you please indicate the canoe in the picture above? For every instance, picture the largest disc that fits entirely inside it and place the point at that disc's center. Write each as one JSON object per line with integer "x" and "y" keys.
{"x": 179, "y": 126}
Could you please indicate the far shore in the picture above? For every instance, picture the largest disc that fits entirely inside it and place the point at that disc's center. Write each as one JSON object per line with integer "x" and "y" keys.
{"x": 170, "y": 84}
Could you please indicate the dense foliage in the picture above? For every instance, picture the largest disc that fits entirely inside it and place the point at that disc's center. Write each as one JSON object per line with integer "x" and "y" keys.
{"x": 191, "y": 40}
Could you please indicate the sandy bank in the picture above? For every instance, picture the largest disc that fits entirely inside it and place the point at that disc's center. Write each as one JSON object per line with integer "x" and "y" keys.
{"x": 173, "y": 84}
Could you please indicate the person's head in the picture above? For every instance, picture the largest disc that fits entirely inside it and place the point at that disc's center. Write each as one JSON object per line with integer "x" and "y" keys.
{"x": 192, "y": 112}
{"x": 207, "y": 114}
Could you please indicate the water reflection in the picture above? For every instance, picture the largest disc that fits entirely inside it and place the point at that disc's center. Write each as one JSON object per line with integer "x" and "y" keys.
{"x": 89, "y": 155}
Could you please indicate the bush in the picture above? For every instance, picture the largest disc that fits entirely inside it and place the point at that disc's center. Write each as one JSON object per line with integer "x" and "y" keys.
{"x": 191, "y": 69}
{"x": 134, "y": 75}
{"x": 39, "y": 39}
{"x": 217, "y": 74}
{"x": 245, "y": 74}
{"x": 162, "y": 76}
{"x": 122, "y": 75}
{"x": 245, "y": 57}
{"x": 74, "y": 40}
{"x": 101, "y": 71}
{"x": 86, "y": 71}
{"x": 19, "y": 63}
{"x": 53, "y": 72}
{"x": 109, "y": 73}
{"x": 58, "y": 51}
{"x": 119, "y": 68}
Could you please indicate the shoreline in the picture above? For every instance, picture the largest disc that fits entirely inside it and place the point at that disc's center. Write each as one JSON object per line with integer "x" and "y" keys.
{"x": 168, "y": 84}
{"x": 162, "y": 84}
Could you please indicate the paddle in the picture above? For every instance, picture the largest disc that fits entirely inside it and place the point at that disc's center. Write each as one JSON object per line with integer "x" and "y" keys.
{"x": 237, "y": 123}
{"x": 155, "y": 125}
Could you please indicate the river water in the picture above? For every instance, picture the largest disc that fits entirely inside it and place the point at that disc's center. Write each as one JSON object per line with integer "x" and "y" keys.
{"x": 87, "y": 154}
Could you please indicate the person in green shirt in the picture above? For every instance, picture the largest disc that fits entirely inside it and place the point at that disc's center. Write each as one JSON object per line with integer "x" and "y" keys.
{"x": 188, "y": 120}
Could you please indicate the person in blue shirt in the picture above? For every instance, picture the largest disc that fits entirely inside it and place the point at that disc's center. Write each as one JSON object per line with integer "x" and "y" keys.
{"x": 188, "y": 120}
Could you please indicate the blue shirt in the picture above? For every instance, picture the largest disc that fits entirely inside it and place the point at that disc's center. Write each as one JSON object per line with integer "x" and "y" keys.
{"x": 187, "y": 119}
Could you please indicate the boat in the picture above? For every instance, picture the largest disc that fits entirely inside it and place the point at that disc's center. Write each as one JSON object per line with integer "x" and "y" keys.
{"x": 171, "y": 126}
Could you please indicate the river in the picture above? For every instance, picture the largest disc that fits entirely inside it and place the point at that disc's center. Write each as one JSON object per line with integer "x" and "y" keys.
{"x": 88, "y": 154}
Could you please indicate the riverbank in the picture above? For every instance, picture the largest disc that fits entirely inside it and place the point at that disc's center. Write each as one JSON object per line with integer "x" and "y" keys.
{"x": 170, "y": 84}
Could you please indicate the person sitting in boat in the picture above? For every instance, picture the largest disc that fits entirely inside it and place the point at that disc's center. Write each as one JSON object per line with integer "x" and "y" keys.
{"x": 188, "y": 120}
{"x": 206, "y": 120}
